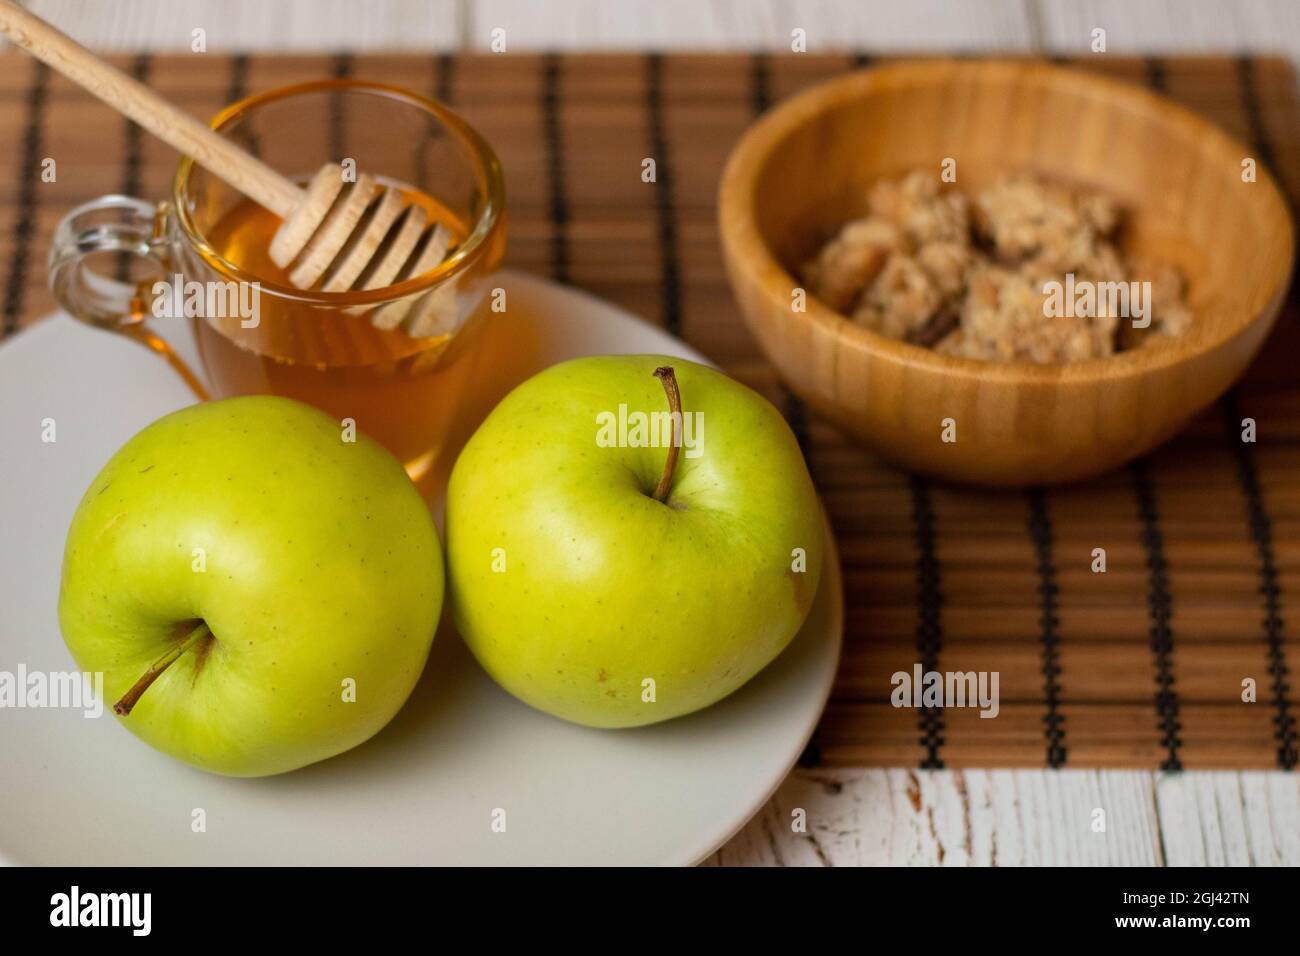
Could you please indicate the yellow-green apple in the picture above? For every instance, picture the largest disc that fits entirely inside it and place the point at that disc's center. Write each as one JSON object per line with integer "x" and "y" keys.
{"x": 258, "y": 585}
{"x": 614, "y": 565}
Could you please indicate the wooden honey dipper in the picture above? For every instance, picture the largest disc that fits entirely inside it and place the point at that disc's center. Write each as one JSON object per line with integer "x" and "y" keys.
{"x": 333, "y": 233}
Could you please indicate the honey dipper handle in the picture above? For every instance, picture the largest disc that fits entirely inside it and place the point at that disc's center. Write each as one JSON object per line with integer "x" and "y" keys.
{"x": 215, "y": 153}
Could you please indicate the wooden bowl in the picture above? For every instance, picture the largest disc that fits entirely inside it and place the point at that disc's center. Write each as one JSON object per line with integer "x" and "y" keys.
{"x": 804, "y": 168}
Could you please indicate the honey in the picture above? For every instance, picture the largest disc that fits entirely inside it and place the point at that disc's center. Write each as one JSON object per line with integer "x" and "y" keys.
{"x": 400, "y": 390}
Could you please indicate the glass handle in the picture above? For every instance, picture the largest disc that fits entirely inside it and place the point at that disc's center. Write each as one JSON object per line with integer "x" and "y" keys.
{"x": 132, "y": 229}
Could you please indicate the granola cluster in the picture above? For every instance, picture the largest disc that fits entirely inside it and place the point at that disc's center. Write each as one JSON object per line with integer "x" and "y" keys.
{"x": 968, "y": 277}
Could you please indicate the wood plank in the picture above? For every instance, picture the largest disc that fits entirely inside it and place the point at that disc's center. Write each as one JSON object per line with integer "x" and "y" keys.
{"x": 858, "y": 817}
{"x": 1164, "y": 26}
{"x": 1228, "y": 819}
{"x": 758, "y": 24}
{"x": 257, "y": 25}
{"x": 953, "y": 818}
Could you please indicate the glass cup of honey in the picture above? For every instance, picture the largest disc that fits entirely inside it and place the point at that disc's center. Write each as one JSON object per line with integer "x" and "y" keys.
{"x": 204, "y": 256}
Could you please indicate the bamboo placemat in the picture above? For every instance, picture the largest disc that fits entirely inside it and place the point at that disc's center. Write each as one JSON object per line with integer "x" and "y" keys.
{"x": 1139, "y": 667}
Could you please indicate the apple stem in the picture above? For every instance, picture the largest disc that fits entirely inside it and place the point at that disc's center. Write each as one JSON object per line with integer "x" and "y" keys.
{"x": 123, "y": 707}
{"x": 669, "y": 380}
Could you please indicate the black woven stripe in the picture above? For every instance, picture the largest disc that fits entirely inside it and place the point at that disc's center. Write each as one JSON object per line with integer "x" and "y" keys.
{"x": 665, "y": 203}
{"x": 1254, "y": 118}
{"x": 342, "y": 69}
{"x": 1157, "y": 78}
{"x": 237, "y": 87}
{"x": 1261, "y": 526}
{"x": 444, "y": 77}
{"x": 1160, "y": 607}
{"x": 236, "y": 90}
{"x": 29, "y": 183}
{"x": 442, "y": 90}
{"x": 1257, "y": 516}
{"x": 1159, "y": 601}
{"x": 552, "y": 76}
{"x": 140, "y": 68}
{"x": 929, "y": 625}
{"x": 760, "y": 82}
{"x": 812, "y": 754}
{"x": 1040, "y": 533}
{"x": 1258, "y": 132}
{"x": 1261, "y": 533}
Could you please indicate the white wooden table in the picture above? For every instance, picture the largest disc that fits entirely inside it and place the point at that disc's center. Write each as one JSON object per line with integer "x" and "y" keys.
{"x": 848, "y": 817}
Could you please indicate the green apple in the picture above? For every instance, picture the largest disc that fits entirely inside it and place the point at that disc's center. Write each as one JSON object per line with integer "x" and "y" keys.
{"x": 612, "y": 574}
{"x": 258, "y": 586}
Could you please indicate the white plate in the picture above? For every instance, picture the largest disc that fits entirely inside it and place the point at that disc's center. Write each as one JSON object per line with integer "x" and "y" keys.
{"x": 84, "y": 791}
